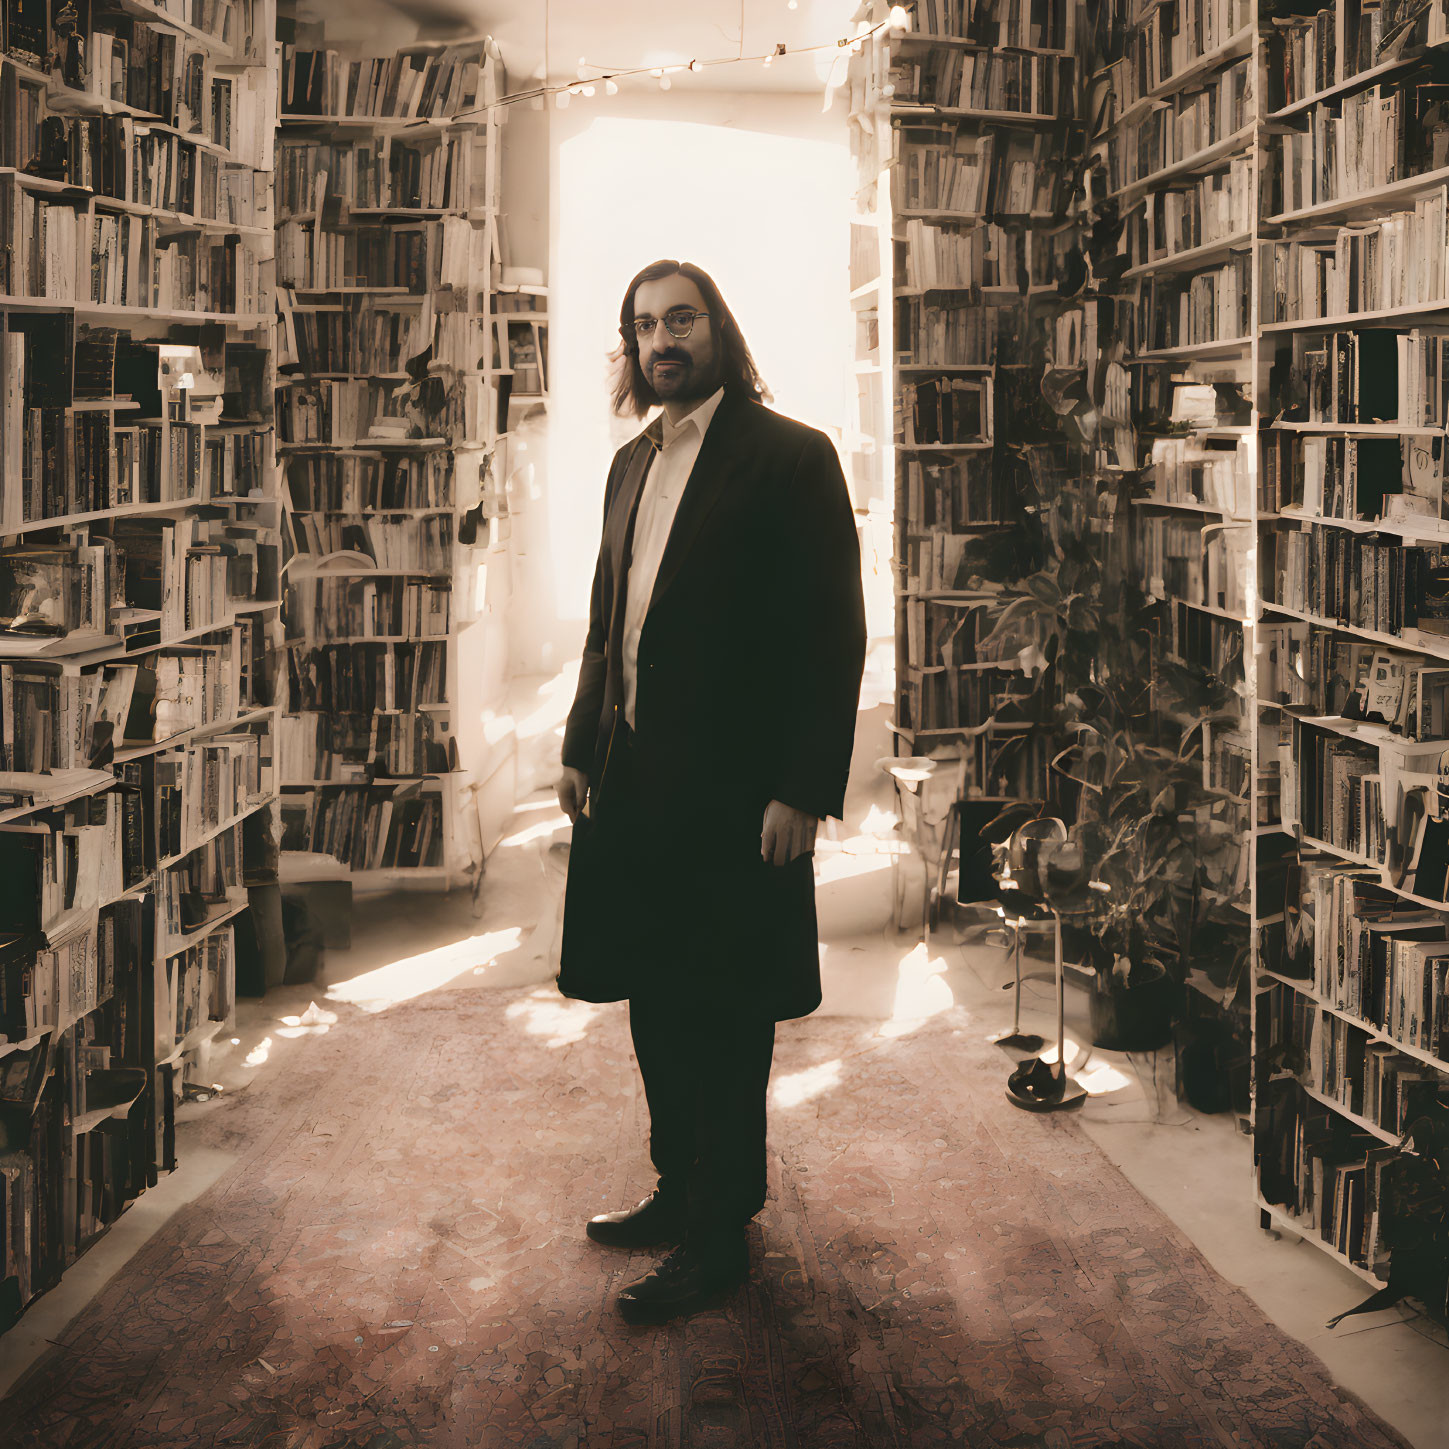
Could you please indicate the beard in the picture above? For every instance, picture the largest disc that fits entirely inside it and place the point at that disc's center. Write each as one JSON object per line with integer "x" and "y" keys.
{"x": 689, "y": 381}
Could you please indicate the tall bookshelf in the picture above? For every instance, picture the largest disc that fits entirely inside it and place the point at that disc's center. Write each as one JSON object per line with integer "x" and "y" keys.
{"x": 1351, "y": 1028}
{"x": 394, "y": 412}
{"x": 1174, "y": 92}
{"x": 139, "y": 588}
{"x": 1265, "y": 333}
{"x": 957, "y": 250}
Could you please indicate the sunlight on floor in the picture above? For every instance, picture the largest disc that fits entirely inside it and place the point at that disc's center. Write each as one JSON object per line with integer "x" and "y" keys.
{"x": 312, "y": 1022}
{"x": 921, "y": 992}
{"x": 413, "y": 975}
{"x": 1104, "y": 1079}
{"x": 539, "y": 830}
{"x": 545, "y": 1013}
{"x": 797, "y": 1087}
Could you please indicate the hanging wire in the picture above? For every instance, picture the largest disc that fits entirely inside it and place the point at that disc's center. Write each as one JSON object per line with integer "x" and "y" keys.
{"x": 536, "y": 92}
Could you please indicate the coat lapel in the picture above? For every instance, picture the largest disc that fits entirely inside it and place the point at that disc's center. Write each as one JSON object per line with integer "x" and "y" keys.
{"x": 621, "y": 523}
{"x": 709, "y": 480}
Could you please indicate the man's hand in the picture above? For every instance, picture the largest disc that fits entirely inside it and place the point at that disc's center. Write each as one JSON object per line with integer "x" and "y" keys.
{"x": 572, "y": 787}
{"x": 788, "y": 832}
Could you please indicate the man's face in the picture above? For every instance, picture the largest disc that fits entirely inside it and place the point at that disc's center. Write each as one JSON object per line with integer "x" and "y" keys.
{"x": 679, "y": 369}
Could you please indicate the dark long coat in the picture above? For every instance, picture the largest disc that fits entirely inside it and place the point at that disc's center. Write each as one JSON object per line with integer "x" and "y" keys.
{"x": 748, "y": 682}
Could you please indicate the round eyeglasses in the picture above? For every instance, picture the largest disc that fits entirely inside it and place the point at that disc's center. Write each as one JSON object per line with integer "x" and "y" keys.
{"x": 678, "y": 322}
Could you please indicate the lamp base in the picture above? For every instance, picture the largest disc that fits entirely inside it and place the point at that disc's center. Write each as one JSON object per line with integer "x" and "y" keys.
{"x": 1036, "y": 1086}
{"x": 1023, "y": 1041}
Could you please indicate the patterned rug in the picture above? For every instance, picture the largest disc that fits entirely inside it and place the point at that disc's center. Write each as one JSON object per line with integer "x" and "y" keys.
{"x": 397, "y": 1260}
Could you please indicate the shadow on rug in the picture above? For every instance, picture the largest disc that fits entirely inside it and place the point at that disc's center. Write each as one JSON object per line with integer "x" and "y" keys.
{"x": 397, "y": 1259}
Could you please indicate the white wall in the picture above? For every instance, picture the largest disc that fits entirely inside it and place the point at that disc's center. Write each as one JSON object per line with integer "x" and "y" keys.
{"x": 756, "y": 189}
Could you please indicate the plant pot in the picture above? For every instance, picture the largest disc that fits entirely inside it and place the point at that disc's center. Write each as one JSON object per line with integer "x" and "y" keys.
{"x": 1135, "y": 1017}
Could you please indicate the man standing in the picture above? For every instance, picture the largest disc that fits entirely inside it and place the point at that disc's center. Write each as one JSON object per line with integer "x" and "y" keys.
{"x": 711, "y": 732}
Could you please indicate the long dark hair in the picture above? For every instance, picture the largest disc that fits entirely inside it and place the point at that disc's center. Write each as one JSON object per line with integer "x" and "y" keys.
{"x": 633, "y": 396}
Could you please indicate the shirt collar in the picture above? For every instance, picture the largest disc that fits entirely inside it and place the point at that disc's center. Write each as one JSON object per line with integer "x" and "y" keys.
{"x": 661, "y": 432}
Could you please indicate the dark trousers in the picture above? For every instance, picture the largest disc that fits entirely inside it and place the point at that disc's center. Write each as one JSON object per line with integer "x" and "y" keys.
{"x": 705, "y": 1083}
{"x": 705, "y": 1070}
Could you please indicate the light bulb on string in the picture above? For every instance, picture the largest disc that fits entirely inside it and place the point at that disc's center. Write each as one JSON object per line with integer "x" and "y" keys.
{"x": 588, "y": 90}
{"x": 694, "y": 65}
{"x": 611, "y": 88}
{"x": 793, "y": 5}
{"x": 665, "y": 83}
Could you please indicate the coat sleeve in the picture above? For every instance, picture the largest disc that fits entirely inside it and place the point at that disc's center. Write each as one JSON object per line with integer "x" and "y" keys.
{"x": 822, "y": 635}
{"x": 582, "y": 727}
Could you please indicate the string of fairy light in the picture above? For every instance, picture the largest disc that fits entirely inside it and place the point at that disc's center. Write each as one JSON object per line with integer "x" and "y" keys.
{"x": 588, "y": 85}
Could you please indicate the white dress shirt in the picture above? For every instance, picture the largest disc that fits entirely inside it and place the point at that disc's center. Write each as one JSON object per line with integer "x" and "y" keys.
{"x": 658, "y": 503}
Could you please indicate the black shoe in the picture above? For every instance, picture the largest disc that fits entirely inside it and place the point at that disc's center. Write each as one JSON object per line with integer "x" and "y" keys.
{"x": 655, "y": 1220}
{"x": 682, "y": 1284}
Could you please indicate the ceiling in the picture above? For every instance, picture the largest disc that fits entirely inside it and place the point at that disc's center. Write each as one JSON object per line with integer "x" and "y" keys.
{"x": 623, "y": 34}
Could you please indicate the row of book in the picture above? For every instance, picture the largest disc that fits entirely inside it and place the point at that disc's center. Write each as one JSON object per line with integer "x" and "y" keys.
{"x": 969, "y": 174}
{"x": 1215, "y": 473}
{"x": 1307, "y": 54}
{"x": 1227, "y": 760}
{"x": 53, "y": 249}
{"x": 202, "y": 785}
{"x": 344, "y": 610}
{"x": 198, "y": 891}
{"x": 948, "y": 632}
{"x": 945, "y": 410}
{"x": 1195, "y": 213}
{"x": 418, "y": 256}
{"x": 1355, "y": 579}
{"x": 948, "y": 697}
{"x": 950, "y": 331}
{"x": 82, "y": 462}
{"x": 366, "y": 827}
{"x": 346, "y": 412}
{"x": 1309, "y": 668}
{"x": 1376, "y": 137}
{"x": 979, "y": 256}
{"x": 67, "y": 871}
{"x": 1328, "y": 1175}
{"x": 1355, "y": 377}
{"x": 445, "y": 172}
{"x": 1377, "y": 957}
{"x": 1302, "y": 56}
{"x": 58, "y": 719}
{"x": 935, "y": 561}
{"x": 417, "y": 82}
{"x": 1173, "y": 39}
{"x": 1203, "y": 564}
{"x": 365, "y": 338}
{"x": 367, "y": 678}
{"x": 1354, "y": 479}
{"x": 1020, "y": 24}
{"x": 122, "y": 159}
{"x": 1019, "y": 82}
{"x": 958, "y": 493}
{"x": 424, "y": 543}
{"x": 1171, "y": 134}
{"x": 1397, "y": 261}
{"x": 362, "y": 482}
{"x": 334, "y": 746}
{"x": 1206, "y": 641}
{"x": 1340, "y": 798}
{"x": 200, "y": 984}
{"x": 146, "y": 67}
{"x": 1212, "y": 305}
